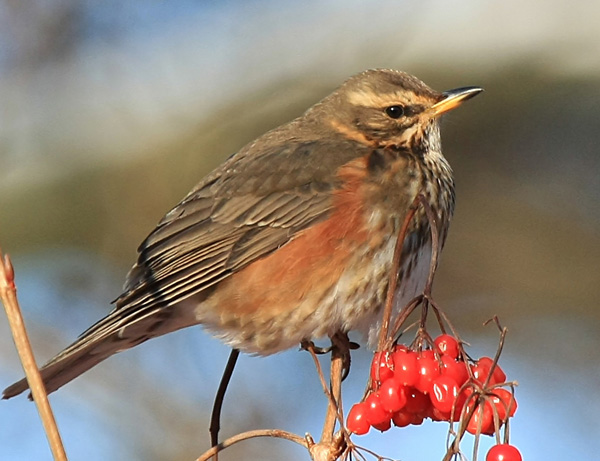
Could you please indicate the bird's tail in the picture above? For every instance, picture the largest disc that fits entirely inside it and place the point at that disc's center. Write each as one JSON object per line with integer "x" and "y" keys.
{"x": 120, "y": 330}
{"x": 67, "y": 365}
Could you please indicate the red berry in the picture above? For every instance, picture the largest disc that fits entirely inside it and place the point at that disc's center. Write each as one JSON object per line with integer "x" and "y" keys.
{"x": 402, "y": 418}
{"x": 480, "y": 372}
{"x": 463, "y": 400}
{"x": 406, "y": 370}
{"x": 457, "y": 370}
{"x": 384, "y": 426}
{"x": 437, "y": 415}
{"x": 400, "y": 347}
{"x": 482, "y": 368}
{"x": 417, "y": 403}
{"x": 443, "y": 393}
{"x": 428, "y": 353}
{"x": 381, "y": 366}
{"x": 417, "y": 420}
{"x": 504, "y": 401}
{"x": 429, "y": 368}
{"x": 482, "y": 420}
{"x": 375, "y": 412}
{"x": 357, "y": 420}
{"x": 392, "y": 395}
{"x": 503, "y": 452}
{"x": 498, "y": 376}
{"x": 447, "y": 345}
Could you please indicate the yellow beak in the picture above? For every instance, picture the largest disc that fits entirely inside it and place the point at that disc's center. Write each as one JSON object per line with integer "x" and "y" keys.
{"x": 454, "y": 98}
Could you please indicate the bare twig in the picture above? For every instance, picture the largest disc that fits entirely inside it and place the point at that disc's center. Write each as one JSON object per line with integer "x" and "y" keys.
{"x": 8, "y": 294}
{"x": 393, "y": 280}
{"x": 332, "y": 443}
{"x": 503, "y": 332}
{"x": 435, "y": 244}
{"x": 384, "y": 335}
{"x": 250, "y": 435}
{"x": 334, "y": 395}
{"x": 332, "y": 392}
{"x": 405, "y": 313}
{"x": 310, "y": 347}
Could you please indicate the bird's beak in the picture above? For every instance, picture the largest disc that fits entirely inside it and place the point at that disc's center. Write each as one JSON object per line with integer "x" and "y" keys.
{"x": 454, "y": 98}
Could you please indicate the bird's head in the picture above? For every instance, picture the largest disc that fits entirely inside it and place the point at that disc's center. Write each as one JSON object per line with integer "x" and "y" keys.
{"x": 389, "y": 108}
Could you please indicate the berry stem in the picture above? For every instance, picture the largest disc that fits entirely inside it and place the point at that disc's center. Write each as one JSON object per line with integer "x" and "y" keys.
{"x": 393, "y": 281}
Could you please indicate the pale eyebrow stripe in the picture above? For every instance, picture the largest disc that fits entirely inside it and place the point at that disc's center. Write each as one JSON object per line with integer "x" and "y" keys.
{"x": 371, "y": 99}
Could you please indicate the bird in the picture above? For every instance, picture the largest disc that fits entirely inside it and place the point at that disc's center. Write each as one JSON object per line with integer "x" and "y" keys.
{"x": 291, "y": 238}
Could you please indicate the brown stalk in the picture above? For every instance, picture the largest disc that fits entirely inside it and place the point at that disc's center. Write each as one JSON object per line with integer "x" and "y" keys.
{"x": 331, "y": 443}
{"x": 250, "y": 435}
{"x": 435, "y": 244}
{"x": 393, "y": 282}
{"x": 334, "y": 396}
{"x": 8, "y": 294}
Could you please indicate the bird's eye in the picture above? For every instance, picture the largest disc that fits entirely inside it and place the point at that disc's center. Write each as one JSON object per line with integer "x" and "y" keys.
{"x": 394, "y": 111}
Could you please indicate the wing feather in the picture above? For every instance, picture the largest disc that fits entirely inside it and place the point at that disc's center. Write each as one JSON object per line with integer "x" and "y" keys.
{"x": 243, "y": 211}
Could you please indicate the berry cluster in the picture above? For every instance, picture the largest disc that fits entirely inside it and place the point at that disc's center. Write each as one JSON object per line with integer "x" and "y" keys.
{"x": 409, "y": 386}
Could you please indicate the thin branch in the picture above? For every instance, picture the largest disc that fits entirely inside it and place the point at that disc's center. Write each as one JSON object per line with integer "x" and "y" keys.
{"x": 332, "y": 443}
{"x": 405, "y": 313}
{"x": 503, "y": 332}
{"x": 250, "y": 435}
{"x": 435, "y": 243}
{"x": 332, "y": 407}
{"x": 334, "y": 394}
{"x": 311, "y": 349}
{"x": 393, "y": 280}
{"x": 8, "y": 294}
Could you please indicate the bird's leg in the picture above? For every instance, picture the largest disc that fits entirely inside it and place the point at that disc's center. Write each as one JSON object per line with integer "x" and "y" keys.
{"x": 215, "y": 418}
{"x": 342, "y": 344}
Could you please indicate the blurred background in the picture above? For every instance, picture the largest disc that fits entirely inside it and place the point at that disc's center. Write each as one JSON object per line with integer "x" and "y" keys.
{"x": 111, "y": 111}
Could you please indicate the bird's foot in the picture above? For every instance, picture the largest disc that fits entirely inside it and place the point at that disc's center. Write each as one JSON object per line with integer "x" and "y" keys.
{"x": 307, "y": 345}
{"x": 341, "y": 344}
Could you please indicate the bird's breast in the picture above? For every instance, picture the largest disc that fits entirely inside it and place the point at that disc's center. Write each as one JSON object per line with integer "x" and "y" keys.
{"x": 330, "y": 276}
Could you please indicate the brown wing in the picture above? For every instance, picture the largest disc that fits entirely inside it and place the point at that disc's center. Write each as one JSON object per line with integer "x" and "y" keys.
{"x": 251, "y": 205}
